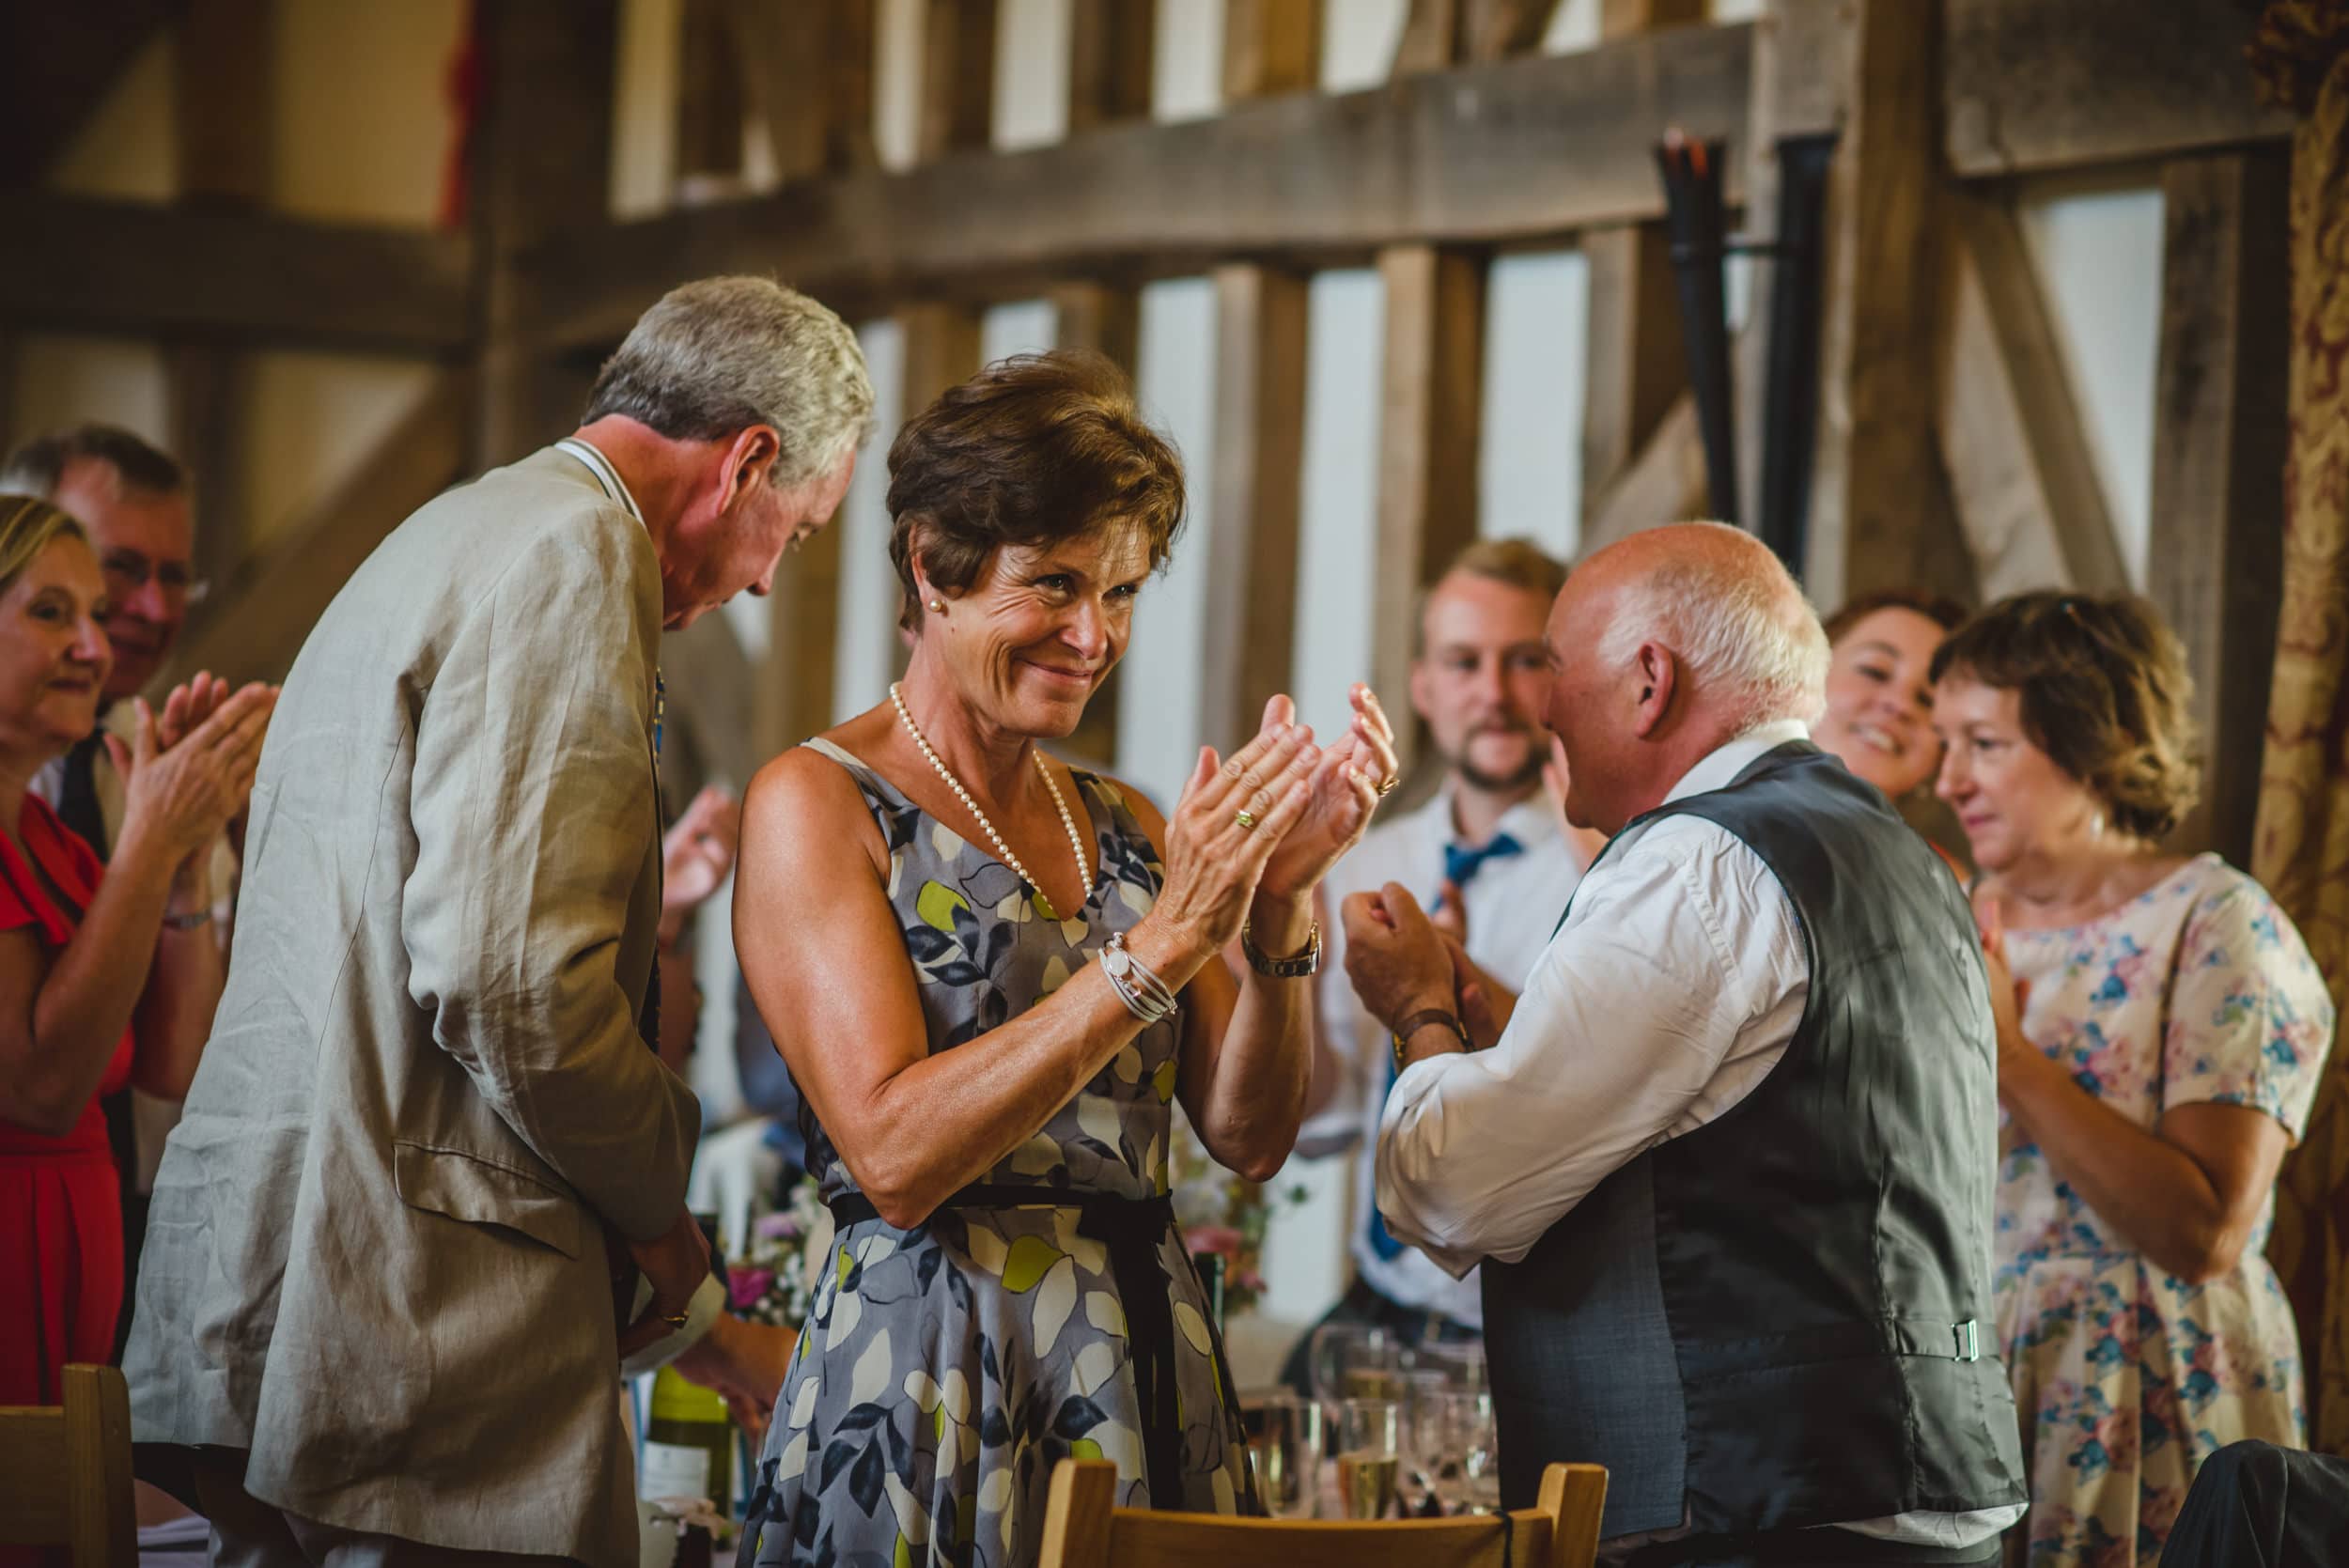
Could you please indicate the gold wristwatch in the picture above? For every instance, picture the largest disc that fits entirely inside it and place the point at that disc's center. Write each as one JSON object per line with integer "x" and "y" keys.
{"x": 1297, "y": 966}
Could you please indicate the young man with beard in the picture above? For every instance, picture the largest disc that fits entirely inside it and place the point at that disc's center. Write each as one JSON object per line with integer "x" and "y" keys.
{"x": 1492, "y": 845}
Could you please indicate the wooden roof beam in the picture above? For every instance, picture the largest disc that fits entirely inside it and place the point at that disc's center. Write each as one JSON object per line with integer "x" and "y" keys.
{"x": 2030, "y": 87}
{"x": 138, "y": 270}
{"x": 1520, "y": 150}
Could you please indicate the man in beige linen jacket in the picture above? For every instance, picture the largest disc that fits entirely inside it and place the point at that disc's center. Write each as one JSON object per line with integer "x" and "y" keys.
{"x": 375, "y": 1319}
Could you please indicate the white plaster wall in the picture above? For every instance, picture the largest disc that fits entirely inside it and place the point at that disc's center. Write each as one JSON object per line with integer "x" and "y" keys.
{"x": 644, "y": 108}
{"x": 1530, "y": 462}
{"x": 1032, "y": 42}
{"x": 1339, "y": 503}
{"x": 868, "y": 583}
{"x": 1017, "y": 327}
{"x": 1187, "y": 59}
{"x": 1158, "y": 712}
{"x": 896, "y": 81}
{"x": 2098, "y": 248}
{"x": 62, "y": 380}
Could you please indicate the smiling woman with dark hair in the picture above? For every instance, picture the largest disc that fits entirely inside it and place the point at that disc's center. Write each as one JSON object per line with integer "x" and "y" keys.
{"x": 1878, "y": 721}
{"x": 106, "y": 974}
{"x": 1013, "y": 978}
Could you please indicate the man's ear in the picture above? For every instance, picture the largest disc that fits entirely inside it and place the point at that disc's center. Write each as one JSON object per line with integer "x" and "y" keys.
{"x": 1657, "y": 674}
{"x": 750, "y": 459}
{"x": 1422, "y": 699}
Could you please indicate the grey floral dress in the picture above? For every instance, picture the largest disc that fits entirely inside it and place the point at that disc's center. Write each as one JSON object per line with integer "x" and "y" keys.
{"x": 946, "y": 1368}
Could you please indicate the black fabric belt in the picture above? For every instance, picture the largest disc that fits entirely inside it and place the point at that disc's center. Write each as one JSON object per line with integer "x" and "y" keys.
{"x": 1130, "y": 1229}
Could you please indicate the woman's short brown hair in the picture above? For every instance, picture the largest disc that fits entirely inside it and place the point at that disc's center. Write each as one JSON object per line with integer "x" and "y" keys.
{"x": 1943, "y": 611}
{"x": 2104, "y": 689}
{"x": 1032, "y": 450}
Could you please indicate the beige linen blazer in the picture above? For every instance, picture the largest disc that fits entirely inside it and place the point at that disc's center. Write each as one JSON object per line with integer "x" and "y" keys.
{"x": 376, "y": 1257}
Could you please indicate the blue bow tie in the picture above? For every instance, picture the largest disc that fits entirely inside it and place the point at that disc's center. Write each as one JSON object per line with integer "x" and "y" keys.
{"x": 1461, "y": 865}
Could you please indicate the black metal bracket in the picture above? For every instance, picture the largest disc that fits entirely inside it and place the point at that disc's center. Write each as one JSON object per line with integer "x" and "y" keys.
{"x": 1693, "y": 208}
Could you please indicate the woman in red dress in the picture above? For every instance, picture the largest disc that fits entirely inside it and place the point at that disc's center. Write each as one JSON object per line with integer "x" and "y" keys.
{"x": 102, "y": 982}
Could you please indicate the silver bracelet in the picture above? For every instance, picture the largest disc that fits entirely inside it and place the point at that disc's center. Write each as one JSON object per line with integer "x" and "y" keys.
{"x": 189, "y": 921}
{"x": 1138, "y": 986}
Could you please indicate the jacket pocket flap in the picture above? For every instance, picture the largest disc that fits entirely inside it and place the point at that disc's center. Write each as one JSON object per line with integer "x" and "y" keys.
{"x": 452, "y": 1183}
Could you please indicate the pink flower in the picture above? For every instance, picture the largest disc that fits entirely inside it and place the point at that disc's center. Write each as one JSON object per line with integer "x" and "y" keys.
{"x": 745, "y": 1286}
{"x": 1212, "y": 1238}
{"x": 776, "y": 1227}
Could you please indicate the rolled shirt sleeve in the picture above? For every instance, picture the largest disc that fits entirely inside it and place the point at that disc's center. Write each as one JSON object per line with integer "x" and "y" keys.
{"x": 1675, "y": 983}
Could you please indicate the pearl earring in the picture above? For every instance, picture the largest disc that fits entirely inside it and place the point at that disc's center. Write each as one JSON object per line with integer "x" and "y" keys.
{"x": 937, "y": 607}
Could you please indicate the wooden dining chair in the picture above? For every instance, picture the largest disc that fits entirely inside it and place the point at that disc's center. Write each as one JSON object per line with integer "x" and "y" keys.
{"x": 65, "y": 1472}
{"x": 1083, "y": 1527}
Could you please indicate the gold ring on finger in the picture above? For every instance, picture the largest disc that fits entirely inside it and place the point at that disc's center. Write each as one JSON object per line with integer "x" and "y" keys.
{"x": 1386, "y": 785}
{"x": 1246, "y": 818}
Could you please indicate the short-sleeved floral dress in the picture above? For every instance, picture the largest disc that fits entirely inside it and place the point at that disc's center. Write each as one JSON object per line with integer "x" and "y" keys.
{"x": 946, "y": 1368}
{"x": 2127, "y": 1377}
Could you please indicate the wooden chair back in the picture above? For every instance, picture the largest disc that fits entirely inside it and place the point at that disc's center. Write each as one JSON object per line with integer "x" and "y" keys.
{"x": 1084, "y": 1529}
{"x": 65, "y": 1472}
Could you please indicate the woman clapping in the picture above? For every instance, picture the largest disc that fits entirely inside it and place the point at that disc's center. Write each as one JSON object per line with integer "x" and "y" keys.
{"x": 108, "y": 974}
{"x": 992, "y": 974}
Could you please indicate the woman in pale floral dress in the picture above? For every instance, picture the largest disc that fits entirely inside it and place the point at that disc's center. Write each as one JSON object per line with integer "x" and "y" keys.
{"x": 934, "y": 920}
{"x": 2161, "y": 1029}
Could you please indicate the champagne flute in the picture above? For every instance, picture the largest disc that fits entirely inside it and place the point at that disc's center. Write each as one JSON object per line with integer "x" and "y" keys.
{"x": 1285, "y": 1441}
{"x": 1370, "y": 1455}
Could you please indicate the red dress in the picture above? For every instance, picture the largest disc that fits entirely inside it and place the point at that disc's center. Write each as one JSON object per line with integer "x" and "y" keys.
{"x": 60, "y": 1203}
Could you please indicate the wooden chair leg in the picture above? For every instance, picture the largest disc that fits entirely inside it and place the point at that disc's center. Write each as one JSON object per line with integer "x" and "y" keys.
{"x": 1574, "y": 1496}
{"x": 97, "y": 1457}
{"x": 1077, "y": 1514}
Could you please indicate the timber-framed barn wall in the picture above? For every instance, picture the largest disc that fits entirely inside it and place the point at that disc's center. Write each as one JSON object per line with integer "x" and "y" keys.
{"x": 1951, "y": 444}
{"x": 1950, "y": 447}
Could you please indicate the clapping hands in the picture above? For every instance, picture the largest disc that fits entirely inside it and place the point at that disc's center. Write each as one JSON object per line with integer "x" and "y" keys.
{"x": 1347, "y": 782}
{"x": 188, "y": 770}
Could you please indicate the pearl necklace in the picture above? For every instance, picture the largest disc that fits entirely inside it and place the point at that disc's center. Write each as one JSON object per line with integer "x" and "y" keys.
{"x": 1002, "y": 850}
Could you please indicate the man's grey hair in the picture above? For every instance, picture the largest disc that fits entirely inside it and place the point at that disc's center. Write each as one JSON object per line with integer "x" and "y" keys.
{"x": 713, "y": 358}
{"x": 1741, "y": 626}
{"x": 38, "y": 467}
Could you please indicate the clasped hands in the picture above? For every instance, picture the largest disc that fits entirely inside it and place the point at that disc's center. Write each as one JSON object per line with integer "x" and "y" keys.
{"x": 1403, "y": 961}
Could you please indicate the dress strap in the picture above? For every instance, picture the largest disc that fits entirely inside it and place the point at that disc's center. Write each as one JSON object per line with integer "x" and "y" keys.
{"x": 867, "y": 777}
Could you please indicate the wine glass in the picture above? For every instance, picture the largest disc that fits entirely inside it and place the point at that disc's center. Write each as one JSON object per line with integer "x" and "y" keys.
{"x": 1370, "y": 1455}
{"x": 1353, "y": 1361}
{"x": 1417, "y": 1386}
{"x": 1284, "y": 1442}
{"x": 1455, "y": 1442}
{"x": 1462, "y": 1363}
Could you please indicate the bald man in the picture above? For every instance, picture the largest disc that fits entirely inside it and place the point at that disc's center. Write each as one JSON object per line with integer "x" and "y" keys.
{"x": 1728, "y": 1161}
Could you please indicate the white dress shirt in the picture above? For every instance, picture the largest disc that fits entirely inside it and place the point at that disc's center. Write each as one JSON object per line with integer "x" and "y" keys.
{"x": 1674, "y": 988}
{"x": 1514, "y": 902}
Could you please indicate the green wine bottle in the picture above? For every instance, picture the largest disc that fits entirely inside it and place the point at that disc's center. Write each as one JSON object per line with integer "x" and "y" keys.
{"x": 688, "y": 1443}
